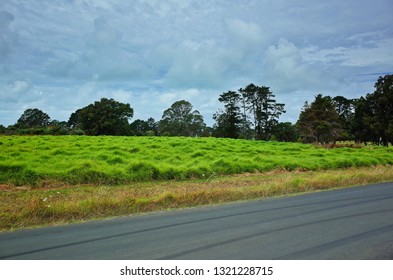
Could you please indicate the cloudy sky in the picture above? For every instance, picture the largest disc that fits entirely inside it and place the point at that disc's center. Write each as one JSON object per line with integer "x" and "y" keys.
{"x": 61, "y": 55}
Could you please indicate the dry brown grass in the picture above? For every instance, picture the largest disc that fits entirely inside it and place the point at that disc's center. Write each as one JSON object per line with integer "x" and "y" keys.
{"x": 23, "y": 207}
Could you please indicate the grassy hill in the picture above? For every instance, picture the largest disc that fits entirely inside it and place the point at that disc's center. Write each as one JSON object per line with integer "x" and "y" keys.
{"x": 45, "y": 160}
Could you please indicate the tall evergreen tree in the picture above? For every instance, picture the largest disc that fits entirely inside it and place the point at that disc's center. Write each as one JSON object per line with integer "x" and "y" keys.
{"x": 346, "y": 110}
{"x": 265, "y": 110}
{"x": 319, "y": 121}
{"x": 373, "y": 118}
{"x": 360, "y": 125}
{"x": 381, "y": 103}
{"x": 228, "y": 122}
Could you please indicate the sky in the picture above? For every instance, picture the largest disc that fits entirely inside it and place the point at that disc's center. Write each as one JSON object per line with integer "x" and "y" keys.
{"x": 62, "y": 55}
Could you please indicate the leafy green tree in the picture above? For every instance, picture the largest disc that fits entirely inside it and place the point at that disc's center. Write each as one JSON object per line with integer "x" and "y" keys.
{"x": 373, "y": 118}
{"x": 181, "y": 120}
{"x": 360, "y": 125}
{"x": 153, "y": 126}
{"x": 58, "y": 128}
{"x": 381, "y": 107}
{"x": 33, "y": 118}
{"x": 228, "y": 122}
{"x": 319, "y": 121}
{"x": 3, "y": 129}
{"x": 74, "y": 120}
{"x": 285, "y": 132}
{"x": 141, "y": 127}
{"x": 346, "y": 110}
{"x": 104, "y": 117}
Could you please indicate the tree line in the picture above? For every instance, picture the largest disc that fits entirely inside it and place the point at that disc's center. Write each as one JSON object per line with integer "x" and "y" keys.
{"x": 365, "y": 119}
{"x": 248, "y": 113}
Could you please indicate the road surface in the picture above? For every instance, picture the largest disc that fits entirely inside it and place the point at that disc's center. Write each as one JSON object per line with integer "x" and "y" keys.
{"x": 354, "y": 223}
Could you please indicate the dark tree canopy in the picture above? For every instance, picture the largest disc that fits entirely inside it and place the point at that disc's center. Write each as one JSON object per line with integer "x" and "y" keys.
{"x": 253, "y": 103}
{"x": 382, "y": 101}
{"x": 360, "y": 127}
{"x": 373, "y": 120}
{"x": 261, "y": 104}
{"x": 33, "y": 118}
{"x": 285, "y": 132}
{"x": 104, "y": 117}
{"x": 228, "y": 122}
{"x": 345, "y": 108}
{"x": 319, "y": 121}
{"x": 181, "y": 120}
{"x": 3, "y": 129}
{"x": 141, "y": 127}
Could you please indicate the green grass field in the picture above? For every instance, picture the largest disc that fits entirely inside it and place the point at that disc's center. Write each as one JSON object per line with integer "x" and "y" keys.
{"x": 46, "y": 160}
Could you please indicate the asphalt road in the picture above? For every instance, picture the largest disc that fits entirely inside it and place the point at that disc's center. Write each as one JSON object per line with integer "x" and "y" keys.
{"x": 354, "y": 223}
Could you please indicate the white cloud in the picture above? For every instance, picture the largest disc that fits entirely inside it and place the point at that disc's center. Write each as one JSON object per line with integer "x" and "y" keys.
{"x": 201, "y": 64}
{"x": 287, "y": 71}
{"x": 63, "y": 55}
{"x": 16, "y": 91}
{"x": 102, "y": 58}
{"x": 380, "y": 55}
{"x": 246, "y": 33}
{"x": 375, "y": 54}
{"x": 8, "y": 39}
{"x": 168, "y": 98}
{"x": 19, "y": 86}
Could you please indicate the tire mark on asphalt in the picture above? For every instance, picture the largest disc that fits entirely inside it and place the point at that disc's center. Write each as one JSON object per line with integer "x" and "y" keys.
{"x": 266, "y": 232}
{"x": 336, "y": 243}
